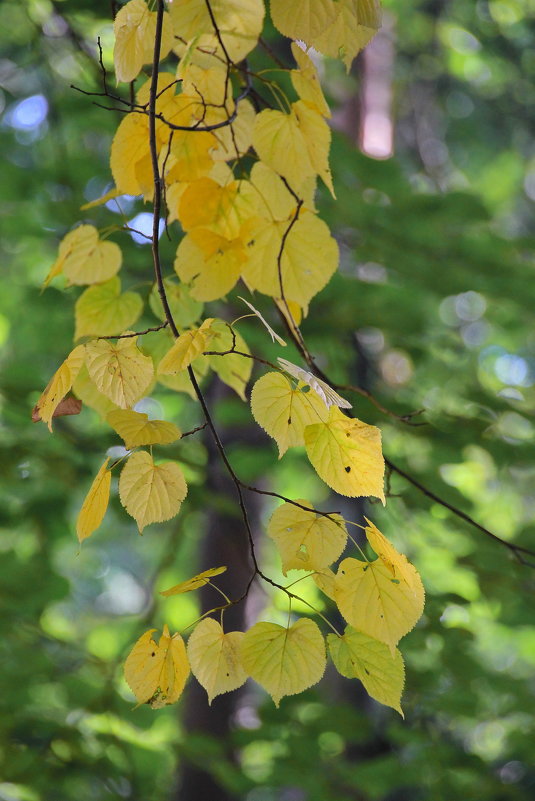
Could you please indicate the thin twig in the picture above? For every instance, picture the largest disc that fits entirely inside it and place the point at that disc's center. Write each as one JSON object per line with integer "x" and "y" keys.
{"x": 517, "y": 550}
{"x": 137, "y": 333}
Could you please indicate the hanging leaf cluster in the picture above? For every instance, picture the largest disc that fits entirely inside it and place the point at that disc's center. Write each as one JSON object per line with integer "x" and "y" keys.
{"x": 233, "y": 161}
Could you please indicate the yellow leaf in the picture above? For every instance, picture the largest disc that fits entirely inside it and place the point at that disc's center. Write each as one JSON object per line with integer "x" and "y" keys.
{"x": 324, "y": 579}
{"x": 136, "y": 429}
{"x": 135, "y": 28}
{"x": 232, "y": 369}
{"x": 95, "y": 504}
{"x": 317, "y": 136}
{"x": 187, "y": 347}
{"x": 195, "y": 582}
{"x": 151, "y": 493}
{"x": 397, "y": 562}
{"x": 306, "y": 82}
{"x": 59, "y": 385}
{"x": 374, "y": 602}
{"x": 101, "y": 264}
{"x": 85, "y": 389}
{"x": 210, "y": 87}
{"x": 291, "y": 311}
{"x": 214, "y": 273}
{"x": 279, "y": 143}
{"x": 74, "y": 248}
{"x": 221, "y": 209}
{"x": 354, "y": 27}
{"x": 283, "y": 411}
{"x": 111, "y": 194}
{"x": 303, "y": 19}
{"x": 185, "y": 310}
{"x": 382, "y": 673}
{"x": 295, "y": 145}
{"x": 102, "y": 311}
{"x": 321, "y": 388}
{"x": 234, "y": 140}
{"x": 347, "y": 455}
{"x": 339, "y": 29}
{"x": 309, "y": 258}
{"x": 157, "y": 672}
{"x": 192, "y": 153}
{"x": 215, "y": 658}
{"x": 274, "y": 202}
{"x": 120, "y": 371}
{"x": 306, "y": 540}
{"x": 285, "y": 661}
{"x": 157, "y": 346}
{"x": 239, "y": 23}
{"x": 130, "y": 159}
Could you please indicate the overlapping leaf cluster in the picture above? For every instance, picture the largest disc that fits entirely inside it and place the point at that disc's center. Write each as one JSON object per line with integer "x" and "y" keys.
{"x": 239, "y": 180}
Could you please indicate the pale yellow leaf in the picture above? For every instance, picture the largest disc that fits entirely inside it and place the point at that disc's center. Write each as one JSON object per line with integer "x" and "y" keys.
{"x": 303, "y": 19}
{"x": 60, "y": 383}
{"x": 309, "y": 258}
{"x": 211, "y": 272}
{"x": 95, "y": 504}
{"x": 130, "y": 159}
{"x": 74, "y": 249}
{"x": 215, "y": 658}
{"x": 382, "y": 673}
{"x": 151, "y": 493}
{"x": 103, "y": 311}
{"x": 195, "y": 582}
{"x": 283, "y": 411}
{"x": 306, "y": 82}
{"x": 185, "y": 350}
{"x": 347, "y": 455}
{"x": 134, "y": 29}
{"x": 324, "y": 579}
{"x": 157, "y": 672}
{"x": 101, "y": 264}
{"x": 306, "y": 540}
{"x": 275, "y": 201}
{"x": 111, "y": 194}
{"x": 285, "y": 661}
{"x": 374, "y": 602}
{"x": 239, "y": 23}
{"x": 85, "y": 389}
{"x": 192, "y": 153}
{"x": 354, "y": 27}
{"x": 136, "y": 429}
{"x": 209, "y": 86}
{"x": 233, "y": 369}
{"x": 234, "y": 140}
{"x": 157, "y": 346}
{"x": 317, "y": 136}
{"x": 397, "y": 562}
{"x": 338, "y": 29}
{"x": 279, "y": 143}
{"x": 120, "y": 371}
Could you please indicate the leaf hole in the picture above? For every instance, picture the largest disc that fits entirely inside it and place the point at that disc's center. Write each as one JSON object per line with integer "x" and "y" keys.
{"x": 347, "y": 469}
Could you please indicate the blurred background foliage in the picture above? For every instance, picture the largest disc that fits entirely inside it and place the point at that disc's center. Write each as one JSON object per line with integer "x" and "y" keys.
{"x": 432, "y": 309}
